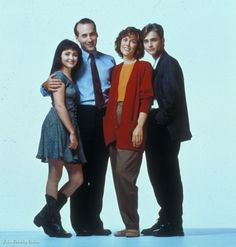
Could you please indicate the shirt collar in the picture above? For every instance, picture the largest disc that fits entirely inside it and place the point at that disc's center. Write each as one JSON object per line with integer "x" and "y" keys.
{"x": 156, "y": 61}
{"x": 85, "y": 54}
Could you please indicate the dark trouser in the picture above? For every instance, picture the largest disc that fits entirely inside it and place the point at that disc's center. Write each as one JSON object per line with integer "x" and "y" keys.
{"x": 86, "y": 202}
{"x": 163, "y": 170}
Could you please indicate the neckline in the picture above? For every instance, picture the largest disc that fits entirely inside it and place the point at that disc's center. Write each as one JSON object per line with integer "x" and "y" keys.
{"x": 66, "y": 76}
{"x": 130, "y": 63}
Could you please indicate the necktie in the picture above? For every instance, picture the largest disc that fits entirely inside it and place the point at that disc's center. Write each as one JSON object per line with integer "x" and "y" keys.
{"x": 96, "y": 83}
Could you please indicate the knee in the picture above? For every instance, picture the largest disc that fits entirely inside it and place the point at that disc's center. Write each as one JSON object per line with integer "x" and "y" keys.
{"x": 55, "y": 177}
{"x": 76, "y": 180}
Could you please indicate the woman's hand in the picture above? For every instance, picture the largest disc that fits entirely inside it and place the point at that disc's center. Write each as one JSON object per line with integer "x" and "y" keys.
{"x": 73, "y": 141}
{"x": 137, "y": 136}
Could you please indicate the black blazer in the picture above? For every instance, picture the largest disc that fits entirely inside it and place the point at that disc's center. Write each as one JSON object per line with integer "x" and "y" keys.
{"x": 168, "y": 83}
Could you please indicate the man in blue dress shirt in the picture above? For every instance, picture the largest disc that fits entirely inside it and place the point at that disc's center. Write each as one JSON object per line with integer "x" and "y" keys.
{"x": 86, "y": 202}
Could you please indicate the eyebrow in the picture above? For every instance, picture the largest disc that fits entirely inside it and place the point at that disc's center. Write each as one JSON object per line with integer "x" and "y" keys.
{"x": 150, "y": 39}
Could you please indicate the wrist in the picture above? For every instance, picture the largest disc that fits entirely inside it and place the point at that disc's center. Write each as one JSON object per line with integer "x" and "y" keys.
{"x": 43, "y": 85}
{"x": 139, "y": 125}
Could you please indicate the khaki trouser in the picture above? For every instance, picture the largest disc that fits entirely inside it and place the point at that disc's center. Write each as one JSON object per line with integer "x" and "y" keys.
{"x": 125, "y": 169}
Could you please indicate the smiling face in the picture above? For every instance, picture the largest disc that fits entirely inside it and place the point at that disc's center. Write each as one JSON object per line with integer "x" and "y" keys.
{"x": 153, "y": 44}
{"x": 69, "y": 59}
{"x": 87, "y": 37}
{"x": 128, "y": 46}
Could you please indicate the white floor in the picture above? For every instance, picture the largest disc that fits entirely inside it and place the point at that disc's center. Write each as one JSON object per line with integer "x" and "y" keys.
{"x": 225, "y": 237}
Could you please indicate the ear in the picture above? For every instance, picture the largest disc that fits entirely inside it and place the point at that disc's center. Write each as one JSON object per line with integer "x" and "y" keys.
{"x": 77, "y": 37}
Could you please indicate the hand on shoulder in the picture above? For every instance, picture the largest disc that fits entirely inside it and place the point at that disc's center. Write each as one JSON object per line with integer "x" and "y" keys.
{"x": 52, "y": 84}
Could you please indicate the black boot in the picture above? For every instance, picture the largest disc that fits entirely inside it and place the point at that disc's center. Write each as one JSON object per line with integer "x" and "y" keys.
{"x": 49, "y": 218}
{"x": 54, "y": 227}
{"x": 61, "y": 200}
{"x": 41, "y": 218}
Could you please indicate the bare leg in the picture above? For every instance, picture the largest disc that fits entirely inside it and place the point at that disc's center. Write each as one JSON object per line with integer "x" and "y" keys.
{"x": 75, "y": 174}
{"x": 54, "y": 176}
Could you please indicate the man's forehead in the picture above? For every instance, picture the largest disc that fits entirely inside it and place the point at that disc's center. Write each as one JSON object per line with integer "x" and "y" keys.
{"x": 85, "y": 27}
{"x": 151, "y": 35}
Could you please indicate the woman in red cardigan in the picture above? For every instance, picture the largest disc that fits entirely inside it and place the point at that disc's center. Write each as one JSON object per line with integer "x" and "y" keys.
{"x": 129, "y": 102}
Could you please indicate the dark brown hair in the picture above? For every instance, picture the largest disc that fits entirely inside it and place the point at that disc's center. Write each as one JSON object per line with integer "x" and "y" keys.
{"x": 139, "y": 53}
{"x": 84, "y": 21}
{"x": 153, "y": 27}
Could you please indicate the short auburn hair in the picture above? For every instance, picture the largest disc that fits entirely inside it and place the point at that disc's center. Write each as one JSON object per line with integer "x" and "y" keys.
{"x": 130, "y": 31}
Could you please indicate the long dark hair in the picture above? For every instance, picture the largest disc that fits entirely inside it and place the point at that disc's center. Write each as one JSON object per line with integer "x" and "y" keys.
{"x": 66, "y": 44}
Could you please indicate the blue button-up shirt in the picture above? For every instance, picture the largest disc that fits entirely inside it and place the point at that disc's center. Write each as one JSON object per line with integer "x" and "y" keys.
{"x": 84, "y": 79}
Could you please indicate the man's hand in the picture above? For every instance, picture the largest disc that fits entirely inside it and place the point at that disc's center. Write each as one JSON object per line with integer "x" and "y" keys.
{"x": 52, "y": 84}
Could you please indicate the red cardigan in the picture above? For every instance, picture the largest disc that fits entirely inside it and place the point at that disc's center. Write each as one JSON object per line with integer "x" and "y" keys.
{"x": 138, "y": 98}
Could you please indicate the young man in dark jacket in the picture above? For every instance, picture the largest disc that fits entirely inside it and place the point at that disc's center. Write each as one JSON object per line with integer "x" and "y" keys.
{"x": 168, "y": 126}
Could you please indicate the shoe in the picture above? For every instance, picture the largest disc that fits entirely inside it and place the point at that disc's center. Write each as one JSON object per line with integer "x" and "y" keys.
{"x": 132, "y": 233}
{"x": 127, "y": 233}
{"x": 149, "y": 231}
{"x": 101, "y": 232}
{"x": 83, "y": 232}
{"x": 168, "y": 230}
